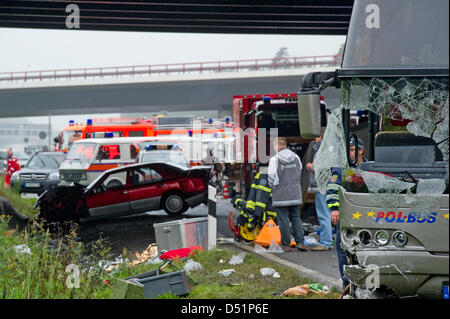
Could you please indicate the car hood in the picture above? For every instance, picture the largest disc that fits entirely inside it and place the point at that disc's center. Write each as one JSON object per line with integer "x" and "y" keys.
{"x": 38, "y": 170}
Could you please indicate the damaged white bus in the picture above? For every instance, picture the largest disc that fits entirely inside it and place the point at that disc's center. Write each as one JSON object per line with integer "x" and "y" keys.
{"x": 394, "y": 209}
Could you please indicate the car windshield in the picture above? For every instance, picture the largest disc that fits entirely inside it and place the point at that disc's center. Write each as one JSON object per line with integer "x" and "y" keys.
{"x": 68, "y": 137}
{"x": 81, "y": 152}
{"x": 52, "y": 161}
{"x": 171, "y": 157}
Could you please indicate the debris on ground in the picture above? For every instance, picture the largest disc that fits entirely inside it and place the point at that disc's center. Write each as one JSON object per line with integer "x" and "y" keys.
{"x": 181, "y": 252}
{"x": 226, "y": 272}
{"x": 150, "y": 252}
{"x": 319, "y": 288}
{"x": 267, "y": 271}
{"x": 111, "y": 265}
{"x": 305, "y": 289}
{"x": 23, "y": 249}
{"x": 155, "y": 261}
{"x": 273, "y": 248}
{"x": 237, "y": 259}
{"x": 302, "y": 290}
{"x": 276, "y": 275}
{"x": 310, "y": 241}
{"x": 192, "y": 266}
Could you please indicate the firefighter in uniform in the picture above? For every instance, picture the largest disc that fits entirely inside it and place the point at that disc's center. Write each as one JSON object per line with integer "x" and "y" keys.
{"x": 257, "y": 209}
{"x": 263, "y": 199}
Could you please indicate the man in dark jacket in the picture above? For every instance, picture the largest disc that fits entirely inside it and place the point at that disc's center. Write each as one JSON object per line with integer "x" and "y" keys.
{"x": 284, "y": 173}
{"x": 262, "y": 204}
{"x": 332, "y": 197}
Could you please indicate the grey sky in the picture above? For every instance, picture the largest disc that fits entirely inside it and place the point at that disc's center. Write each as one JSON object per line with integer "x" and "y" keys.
{"x": 27, "y": 50}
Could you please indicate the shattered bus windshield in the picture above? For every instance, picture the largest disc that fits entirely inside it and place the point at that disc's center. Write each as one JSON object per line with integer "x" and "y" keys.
{"x": 401, "y": 34}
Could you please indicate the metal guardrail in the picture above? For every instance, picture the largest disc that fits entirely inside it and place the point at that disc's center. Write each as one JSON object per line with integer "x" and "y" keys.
{"x": 172, "y": 69}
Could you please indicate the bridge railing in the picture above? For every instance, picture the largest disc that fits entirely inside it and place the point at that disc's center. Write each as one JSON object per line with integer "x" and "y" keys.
{"x": 173, "y": 69}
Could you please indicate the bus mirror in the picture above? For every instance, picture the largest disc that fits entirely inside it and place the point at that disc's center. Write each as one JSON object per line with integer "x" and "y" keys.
{"x": 309, "y": 114}
{"x": 308, "y": 100}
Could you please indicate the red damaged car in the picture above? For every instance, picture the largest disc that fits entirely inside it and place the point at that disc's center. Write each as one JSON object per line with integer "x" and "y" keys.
{"x": 131, "y": 189}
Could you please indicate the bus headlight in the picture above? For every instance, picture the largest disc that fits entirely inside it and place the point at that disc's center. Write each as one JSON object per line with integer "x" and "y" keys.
{"x": 381, "y": 238}
{"x": 399, "y": 238}
{"x": 365, "y": 237}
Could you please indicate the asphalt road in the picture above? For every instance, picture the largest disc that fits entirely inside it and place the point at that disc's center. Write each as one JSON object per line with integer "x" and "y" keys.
{"x": 135, "y": 233}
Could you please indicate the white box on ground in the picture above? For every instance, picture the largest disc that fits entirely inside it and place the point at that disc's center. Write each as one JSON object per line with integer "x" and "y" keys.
{"x": 182, "y": 233}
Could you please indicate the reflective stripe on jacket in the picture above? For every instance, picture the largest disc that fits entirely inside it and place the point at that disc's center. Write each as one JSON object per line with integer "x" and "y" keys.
{"x": 332, "y": 195}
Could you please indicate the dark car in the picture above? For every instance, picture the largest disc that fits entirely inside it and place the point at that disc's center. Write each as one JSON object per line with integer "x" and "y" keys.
{"x": 40, "y": 173}
{"x": 131, "y": 189}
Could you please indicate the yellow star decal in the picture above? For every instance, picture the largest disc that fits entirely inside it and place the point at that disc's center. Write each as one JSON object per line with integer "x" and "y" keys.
{"x": 356, "y": 215}
{"x": 370, "y": 214}
{"x": 446, "y": 216}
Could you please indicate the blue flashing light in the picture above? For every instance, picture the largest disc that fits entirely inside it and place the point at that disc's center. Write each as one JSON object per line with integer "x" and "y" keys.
{"x": 266, "y": 99}
{"x": 228, "y": 119}
{"x": 71, "y": 123}
{"x": 89, "y": 121}
{"x": 210, "y": 121}
{"x": 190, "y": 133}
{"x": 110, "y": 134}
{"x": 215, "y": 134}
{"x": 148, "y": 147}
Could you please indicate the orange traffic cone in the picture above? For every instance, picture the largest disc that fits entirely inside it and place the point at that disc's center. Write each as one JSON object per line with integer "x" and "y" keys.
{"x": 268, "y": 233}
{"x": 225, "y": 191}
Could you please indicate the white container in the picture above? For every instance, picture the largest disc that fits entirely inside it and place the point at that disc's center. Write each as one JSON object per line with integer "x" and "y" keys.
{"x": 182, "y": 233}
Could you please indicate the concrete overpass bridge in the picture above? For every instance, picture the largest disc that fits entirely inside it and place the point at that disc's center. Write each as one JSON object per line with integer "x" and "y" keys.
{"x": 152, "y": 88}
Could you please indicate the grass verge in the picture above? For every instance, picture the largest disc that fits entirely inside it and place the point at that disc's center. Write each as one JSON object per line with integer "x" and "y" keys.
{"x": 54, "y": 264}
{"x": 23, "y": 205}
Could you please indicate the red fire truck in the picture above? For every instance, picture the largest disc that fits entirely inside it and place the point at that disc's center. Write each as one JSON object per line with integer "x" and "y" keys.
{"x": 252, "y": 113}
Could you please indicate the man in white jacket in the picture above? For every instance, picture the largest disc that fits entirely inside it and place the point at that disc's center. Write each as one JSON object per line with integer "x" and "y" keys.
{"x": 284, "y": 172}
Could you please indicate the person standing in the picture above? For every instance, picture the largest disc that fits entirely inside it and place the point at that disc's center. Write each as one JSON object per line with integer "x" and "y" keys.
{"x": 11, "y": 167}
{"x": 332, "y": 197}
{"x": 216, "y": 177}
{"x": 284, "y": 174}
{"x": 322, "y": 211}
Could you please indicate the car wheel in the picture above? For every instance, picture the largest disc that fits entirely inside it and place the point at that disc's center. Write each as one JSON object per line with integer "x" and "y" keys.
{"x": 174, "y": 205}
